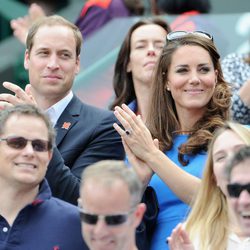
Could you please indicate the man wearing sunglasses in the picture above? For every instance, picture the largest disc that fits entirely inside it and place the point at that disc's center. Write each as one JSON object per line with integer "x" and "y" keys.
{"x": 109, "y": 206}
{"x": 84, "y": 133}
{"x": 30, "y": 217}
{"x": 238, "y": 171}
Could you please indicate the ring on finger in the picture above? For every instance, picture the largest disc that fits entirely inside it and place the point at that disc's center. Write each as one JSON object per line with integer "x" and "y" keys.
{"x": 128, "y": 132}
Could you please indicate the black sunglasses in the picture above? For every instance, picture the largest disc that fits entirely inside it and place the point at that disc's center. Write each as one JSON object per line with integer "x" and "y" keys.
{"x": 181, "y": 33}
{"x": 18, "y": 142}
{"x": 234, "y": 190}
{"x": 111, "y": 220}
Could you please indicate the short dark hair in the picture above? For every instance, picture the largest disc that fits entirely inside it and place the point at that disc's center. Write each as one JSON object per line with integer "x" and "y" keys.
{"x": 53, "y": 21}
{"x": 28, "y": 110}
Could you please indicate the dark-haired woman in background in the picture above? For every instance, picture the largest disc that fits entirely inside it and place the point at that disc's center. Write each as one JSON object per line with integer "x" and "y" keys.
{"x": 136, "y": 63}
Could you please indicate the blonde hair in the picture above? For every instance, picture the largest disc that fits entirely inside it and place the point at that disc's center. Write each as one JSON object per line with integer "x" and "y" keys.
{"x": 208, "y": 221}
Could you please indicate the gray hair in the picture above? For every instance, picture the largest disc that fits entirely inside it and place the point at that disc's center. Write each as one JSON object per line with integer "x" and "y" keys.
{"x": 107, "y": 171}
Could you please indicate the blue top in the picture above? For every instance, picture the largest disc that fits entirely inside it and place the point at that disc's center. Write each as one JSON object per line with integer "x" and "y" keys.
{"x": 172, "y": 209}
{"x": 46, "y": 224}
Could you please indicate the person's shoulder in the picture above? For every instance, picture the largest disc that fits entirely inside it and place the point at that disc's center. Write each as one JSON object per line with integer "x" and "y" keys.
{"x": 63, "y": 206}
{"x": 93, "y": 113}
{"x": 98, "y": 113}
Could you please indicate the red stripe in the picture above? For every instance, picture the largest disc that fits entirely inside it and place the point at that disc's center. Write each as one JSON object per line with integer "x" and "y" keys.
{"x": 100, "y": 3}
{"x": 182, "y": 18}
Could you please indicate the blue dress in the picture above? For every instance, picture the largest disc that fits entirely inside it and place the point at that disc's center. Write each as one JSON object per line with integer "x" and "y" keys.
{"x": 172, "y": 209}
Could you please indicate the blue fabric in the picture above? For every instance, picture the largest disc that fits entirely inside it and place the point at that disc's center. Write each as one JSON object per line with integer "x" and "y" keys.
{"x": 133, "y": 106}
{"x": 172, "y": 209}
{"x": 46, "y": 224}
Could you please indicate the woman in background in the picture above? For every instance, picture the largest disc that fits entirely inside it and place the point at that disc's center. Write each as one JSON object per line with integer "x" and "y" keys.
{"x": 136, "y": 63}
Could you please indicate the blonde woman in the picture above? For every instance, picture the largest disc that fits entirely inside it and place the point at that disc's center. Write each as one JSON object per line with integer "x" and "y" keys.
{"x": 211, "y": 223}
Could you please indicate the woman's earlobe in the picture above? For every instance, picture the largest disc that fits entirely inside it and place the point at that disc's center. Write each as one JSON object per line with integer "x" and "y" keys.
{"x": 167, "y": 86}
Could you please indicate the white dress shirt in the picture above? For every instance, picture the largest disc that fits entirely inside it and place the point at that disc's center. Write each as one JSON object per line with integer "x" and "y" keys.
{"x": 55, "y": 111}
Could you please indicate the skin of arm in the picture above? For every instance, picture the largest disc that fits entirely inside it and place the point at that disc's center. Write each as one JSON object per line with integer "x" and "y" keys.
{"x": 141, "y": 144}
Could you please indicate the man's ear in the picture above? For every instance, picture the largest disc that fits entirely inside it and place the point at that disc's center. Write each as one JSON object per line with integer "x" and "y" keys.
{"x": 77, "y": 70}
{"x": 50, "y": 152}
{"x": 26, "y": 59}
{"x": 139, "y": 212}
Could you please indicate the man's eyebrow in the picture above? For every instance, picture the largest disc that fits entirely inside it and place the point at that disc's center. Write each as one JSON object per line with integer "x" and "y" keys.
{"x": 42, "y": 48}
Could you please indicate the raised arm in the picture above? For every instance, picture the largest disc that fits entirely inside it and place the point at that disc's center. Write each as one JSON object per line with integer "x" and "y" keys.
{"x": 21, "y": 25}
{"x": 139, "y": 140}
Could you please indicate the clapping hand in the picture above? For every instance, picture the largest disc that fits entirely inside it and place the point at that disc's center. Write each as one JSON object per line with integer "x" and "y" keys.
{"x": 21, "y": 96}
{"x": 179, "y": 239}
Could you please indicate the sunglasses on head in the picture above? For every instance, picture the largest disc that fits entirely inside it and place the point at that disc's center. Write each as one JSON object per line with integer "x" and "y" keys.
{"x": 234, "y": 190}
{"x": 18, "y": 142}
{"x": 181, "y": 33}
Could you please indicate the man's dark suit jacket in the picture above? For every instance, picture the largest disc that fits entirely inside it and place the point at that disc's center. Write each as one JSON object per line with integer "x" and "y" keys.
{"x": 85, "y": 135}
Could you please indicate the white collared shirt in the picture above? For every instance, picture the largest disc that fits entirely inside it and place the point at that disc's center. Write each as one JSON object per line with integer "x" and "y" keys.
{"x": 55, "y": 111}
{"x": 233, "y": 243}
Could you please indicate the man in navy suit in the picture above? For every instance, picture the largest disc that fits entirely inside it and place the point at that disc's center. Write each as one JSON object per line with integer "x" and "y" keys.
{"x": 84, "y": 133}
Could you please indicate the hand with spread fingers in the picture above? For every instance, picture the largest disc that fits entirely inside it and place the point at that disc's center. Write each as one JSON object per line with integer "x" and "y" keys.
{"x": 136, "y": 134}
{"x": 21, "y": 25}
{"x": 179, "y": 239}
{"x": 143, "y": 153}
{"x": 21, "y": 96}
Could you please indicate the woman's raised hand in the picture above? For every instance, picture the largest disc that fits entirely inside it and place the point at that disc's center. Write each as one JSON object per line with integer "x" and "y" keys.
{"x": 135, "y": 133}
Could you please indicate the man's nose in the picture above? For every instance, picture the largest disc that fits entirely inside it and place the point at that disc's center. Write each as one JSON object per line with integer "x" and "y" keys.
{"x": 53, "y": 62}
{"x": 100, "y": 227}
{"x": 244, "y": 199}
{"x": 28, "y": 149}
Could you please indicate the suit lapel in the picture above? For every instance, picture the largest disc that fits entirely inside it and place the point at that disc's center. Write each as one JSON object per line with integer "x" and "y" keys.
{"x": 68, "y": 119}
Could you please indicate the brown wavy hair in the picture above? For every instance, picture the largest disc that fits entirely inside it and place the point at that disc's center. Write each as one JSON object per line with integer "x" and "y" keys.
{"x": 122, "y": 81}
{"x": 163, "y": 119}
